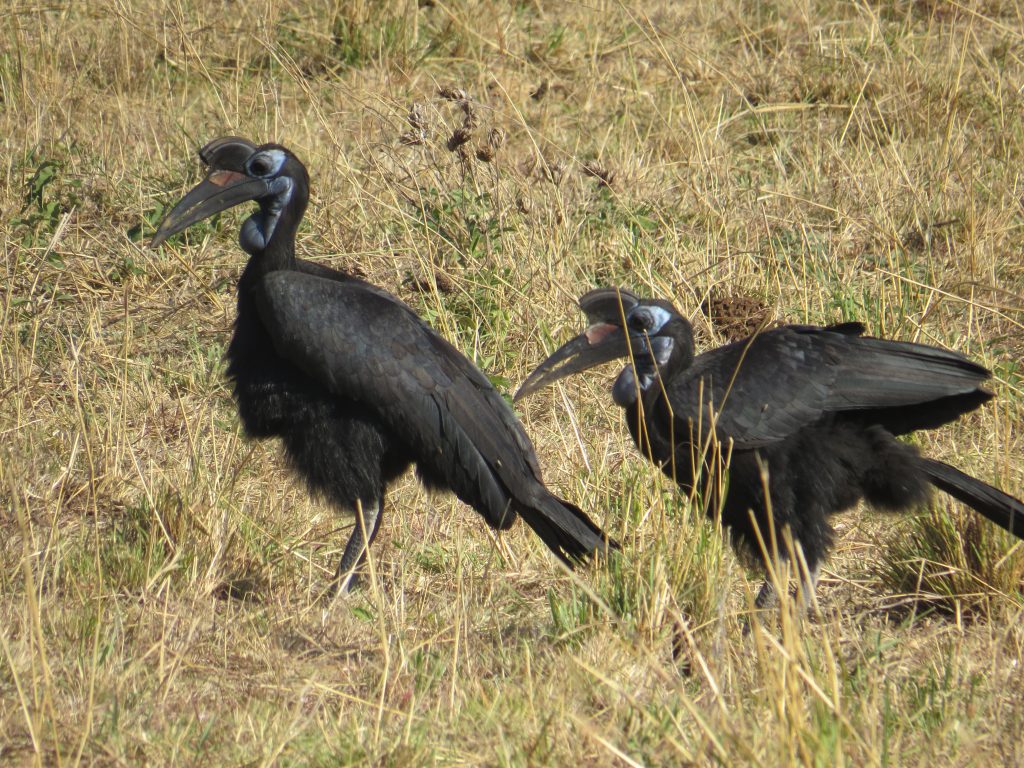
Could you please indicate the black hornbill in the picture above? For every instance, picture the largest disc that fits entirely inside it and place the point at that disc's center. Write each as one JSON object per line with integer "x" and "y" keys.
{"x": 354, "y": 383}
{"x": 810, "y": 413}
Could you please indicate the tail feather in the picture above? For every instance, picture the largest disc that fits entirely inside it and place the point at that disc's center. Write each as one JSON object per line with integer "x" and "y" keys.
{"x": 566, "y": 529}
{"x": 1002, "y": 509}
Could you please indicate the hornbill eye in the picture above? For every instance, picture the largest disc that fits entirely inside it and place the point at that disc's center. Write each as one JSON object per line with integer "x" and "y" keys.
{"x": 640, "y": 321}
{"x": 266, "y": 163}
{"x": 261, "y": 165}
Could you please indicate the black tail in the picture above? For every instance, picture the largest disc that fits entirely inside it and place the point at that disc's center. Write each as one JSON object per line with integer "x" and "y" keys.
{"x": 566, "y": 529}
{"x": 1002, "y": 509}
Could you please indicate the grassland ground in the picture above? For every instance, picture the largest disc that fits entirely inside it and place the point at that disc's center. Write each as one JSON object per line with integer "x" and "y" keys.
{"x": 488, "y": 162}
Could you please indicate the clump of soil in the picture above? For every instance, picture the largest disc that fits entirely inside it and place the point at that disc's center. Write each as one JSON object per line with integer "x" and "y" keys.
{"x": 737, "y": 316}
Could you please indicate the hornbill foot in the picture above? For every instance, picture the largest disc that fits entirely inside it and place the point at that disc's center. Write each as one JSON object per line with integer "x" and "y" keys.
{"x": 344, "y": 582}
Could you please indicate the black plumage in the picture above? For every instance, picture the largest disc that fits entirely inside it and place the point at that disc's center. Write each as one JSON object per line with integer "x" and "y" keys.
{"x": 353, "y": 382}
{"x": 809, "y": 413}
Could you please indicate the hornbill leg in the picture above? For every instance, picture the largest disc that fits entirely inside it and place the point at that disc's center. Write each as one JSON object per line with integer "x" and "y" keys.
{"x": 811, "y": 586}
{"x": 763, "y": 600}
{"x": 367, "y": 522}
{"x": 765, "y": 595}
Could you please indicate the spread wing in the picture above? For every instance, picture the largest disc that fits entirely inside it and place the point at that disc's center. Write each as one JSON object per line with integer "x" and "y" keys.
{"x": 765, "y": 388}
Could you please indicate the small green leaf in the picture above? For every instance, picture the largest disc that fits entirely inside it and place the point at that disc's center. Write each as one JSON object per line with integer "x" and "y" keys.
{"x": 362, "y": 614}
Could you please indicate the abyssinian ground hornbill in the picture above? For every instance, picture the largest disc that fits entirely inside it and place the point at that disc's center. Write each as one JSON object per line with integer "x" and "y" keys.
{"x": 353, "y": 382}
{"x": 810, "y": 413}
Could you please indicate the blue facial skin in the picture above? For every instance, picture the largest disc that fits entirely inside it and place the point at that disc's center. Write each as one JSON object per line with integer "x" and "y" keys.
{"x": 647, "y": 319}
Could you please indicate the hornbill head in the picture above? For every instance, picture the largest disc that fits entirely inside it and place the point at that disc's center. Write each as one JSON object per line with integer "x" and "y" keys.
{"x": 650, "y": 332}
{"x": 240, "y": 171}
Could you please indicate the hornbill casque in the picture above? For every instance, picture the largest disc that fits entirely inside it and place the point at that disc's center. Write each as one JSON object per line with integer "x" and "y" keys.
{"x": 354, "y": 383}
{"x": 809, "y": 413}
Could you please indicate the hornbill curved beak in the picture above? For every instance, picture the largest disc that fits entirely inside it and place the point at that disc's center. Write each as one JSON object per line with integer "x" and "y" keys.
{"x": 220, "y": 190}
{"x": 600, "y": 343}
{"x": 603, "y": 341}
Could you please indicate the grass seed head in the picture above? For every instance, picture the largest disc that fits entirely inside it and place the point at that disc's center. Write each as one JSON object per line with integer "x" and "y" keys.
{"x": 459, "y": 137}
{"x": 595, "y": 170}
{"x": 452, "y": 93}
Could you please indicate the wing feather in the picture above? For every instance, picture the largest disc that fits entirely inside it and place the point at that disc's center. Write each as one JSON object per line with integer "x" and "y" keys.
{"x": 765, "y": 388}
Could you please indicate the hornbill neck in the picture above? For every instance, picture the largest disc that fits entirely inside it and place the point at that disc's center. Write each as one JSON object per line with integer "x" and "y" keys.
{"x": 681, "y": 355}
{"x": 268, "y": 236}
{"x": 654, "y": 359}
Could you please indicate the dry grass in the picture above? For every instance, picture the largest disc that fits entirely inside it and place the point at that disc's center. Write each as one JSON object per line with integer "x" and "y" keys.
{"x": 159, "y": 574}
